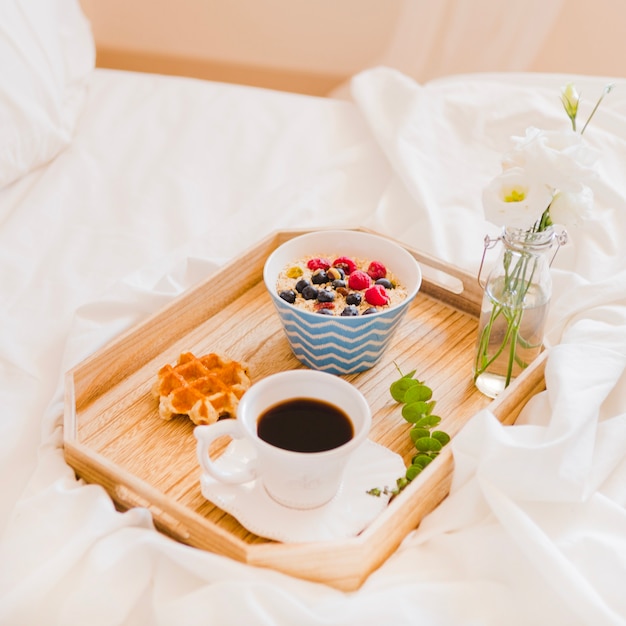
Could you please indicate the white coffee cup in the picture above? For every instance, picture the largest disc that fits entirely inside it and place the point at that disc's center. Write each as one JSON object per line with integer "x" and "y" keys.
{"x": 295, "y": 479}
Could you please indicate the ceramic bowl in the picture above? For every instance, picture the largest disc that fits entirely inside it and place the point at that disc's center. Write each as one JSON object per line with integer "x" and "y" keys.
{"x": 337, "y": 344}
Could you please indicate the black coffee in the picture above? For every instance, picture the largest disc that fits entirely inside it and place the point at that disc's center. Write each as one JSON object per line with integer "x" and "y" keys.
{"x": 305, "y": 425}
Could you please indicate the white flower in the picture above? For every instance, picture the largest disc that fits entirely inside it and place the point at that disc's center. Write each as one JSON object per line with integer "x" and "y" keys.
{"x": 559, "y": 159}
{"x": 546, "y": 177}
{"x": 570, "y": 209}
{"x": 515, "y": 199}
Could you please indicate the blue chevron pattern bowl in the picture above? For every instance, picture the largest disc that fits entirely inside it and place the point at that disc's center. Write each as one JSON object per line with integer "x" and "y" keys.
{"x": 335, "y": 344}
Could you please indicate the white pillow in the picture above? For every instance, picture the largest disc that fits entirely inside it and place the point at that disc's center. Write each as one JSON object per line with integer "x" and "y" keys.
{"x": 46, "y": 53}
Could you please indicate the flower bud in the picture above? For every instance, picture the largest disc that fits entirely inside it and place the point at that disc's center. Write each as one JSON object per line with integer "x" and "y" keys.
{"x": 570, "y": 99}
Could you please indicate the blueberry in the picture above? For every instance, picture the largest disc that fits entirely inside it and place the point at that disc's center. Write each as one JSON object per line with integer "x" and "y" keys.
{"x": 353, "y": 298}
{"x": 385, "y": 282}
{"x": 301, "y": 284}
{"x": 339, "y": 283}
{"x": 325, "y": 312}
{"x": 325, "y": 295}
{"x": 309, "y": 293}
{"x": 350, "y": 311}
{"x": 319, "y": 277}
{"x": 371, "y": 310}
{"x": 288, "y": 295}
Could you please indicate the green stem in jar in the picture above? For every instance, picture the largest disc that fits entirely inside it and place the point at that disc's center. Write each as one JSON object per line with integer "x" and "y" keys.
{"x": 516, "y": 282}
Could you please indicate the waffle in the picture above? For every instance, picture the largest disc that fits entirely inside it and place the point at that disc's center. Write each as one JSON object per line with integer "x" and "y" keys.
{"x": 204, "y": 388}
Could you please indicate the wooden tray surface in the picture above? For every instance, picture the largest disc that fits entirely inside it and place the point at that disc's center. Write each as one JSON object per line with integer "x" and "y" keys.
{"x": 114, "y": 436}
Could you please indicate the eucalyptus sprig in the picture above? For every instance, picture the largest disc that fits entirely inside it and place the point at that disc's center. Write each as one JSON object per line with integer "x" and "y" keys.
{"x": 418, "y": 412}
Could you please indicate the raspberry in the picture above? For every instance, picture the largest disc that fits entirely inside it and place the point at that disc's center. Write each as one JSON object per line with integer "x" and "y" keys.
{"x": 345, "y": 263}
{"x": 359, "y": 280}
{"x": 318, "y": 263}
{"x": 377, "y": 270}
{"x": 376, "y": 295}
{"x": 323, "y": 305}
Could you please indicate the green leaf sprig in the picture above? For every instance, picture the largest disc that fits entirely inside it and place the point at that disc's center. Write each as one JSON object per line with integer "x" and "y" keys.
{"x": 418, "y": 412}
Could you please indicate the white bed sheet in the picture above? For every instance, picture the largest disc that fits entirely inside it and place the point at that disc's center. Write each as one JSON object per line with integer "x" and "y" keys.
{"x": 164, "y": 180}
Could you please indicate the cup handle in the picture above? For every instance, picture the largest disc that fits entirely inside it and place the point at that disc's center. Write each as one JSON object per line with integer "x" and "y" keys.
{"x": 205, "y": 435}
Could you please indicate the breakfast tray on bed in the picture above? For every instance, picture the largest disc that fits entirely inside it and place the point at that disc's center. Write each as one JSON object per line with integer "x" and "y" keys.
{"x": 113, "y": 435}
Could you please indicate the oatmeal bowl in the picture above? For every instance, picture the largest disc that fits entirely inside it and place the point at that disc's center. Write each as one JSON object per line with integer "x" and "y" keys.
{"x": 340, "y": 295}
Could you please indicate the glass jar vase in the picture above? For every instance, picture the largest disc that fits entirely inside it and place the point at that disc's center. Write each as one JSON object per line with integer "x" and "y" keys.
{"x": 514, "y": 308}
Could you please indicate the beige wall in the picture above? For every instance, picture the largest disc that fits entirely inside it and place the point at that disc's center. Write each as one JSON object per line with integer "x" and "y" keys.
{"x": 323, "y": 41}
{"x": 312, "y": 46}
{"x": 589, "y": 38}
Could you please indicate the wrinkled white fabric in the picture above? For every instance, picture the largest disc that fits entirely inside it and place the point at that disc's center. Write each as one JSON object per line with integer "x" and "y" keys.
{"x": 46, "y": 55}
{"x": 168, "y": 178}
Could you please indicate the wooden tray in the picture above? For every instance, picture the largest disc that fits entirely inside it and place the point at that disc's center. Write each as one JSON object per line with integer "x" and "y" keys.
{"x": 114, "y": 437}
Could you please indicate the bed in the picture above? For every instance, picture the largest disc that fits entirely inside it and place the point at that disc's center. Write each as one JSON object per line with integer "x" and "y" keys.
{"x": 121, "y": 190}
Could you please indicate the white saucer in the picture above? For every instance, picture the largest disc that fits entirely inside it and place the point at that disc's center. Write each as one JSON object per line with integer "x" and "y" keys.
{"x": 346, "y": 515}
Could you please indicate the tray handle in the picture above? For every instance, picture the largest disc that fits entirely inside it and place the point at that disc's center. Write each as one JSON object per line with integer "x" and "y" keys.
{"x": 449, "y": 283}
{"x": 444, "y": 281}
